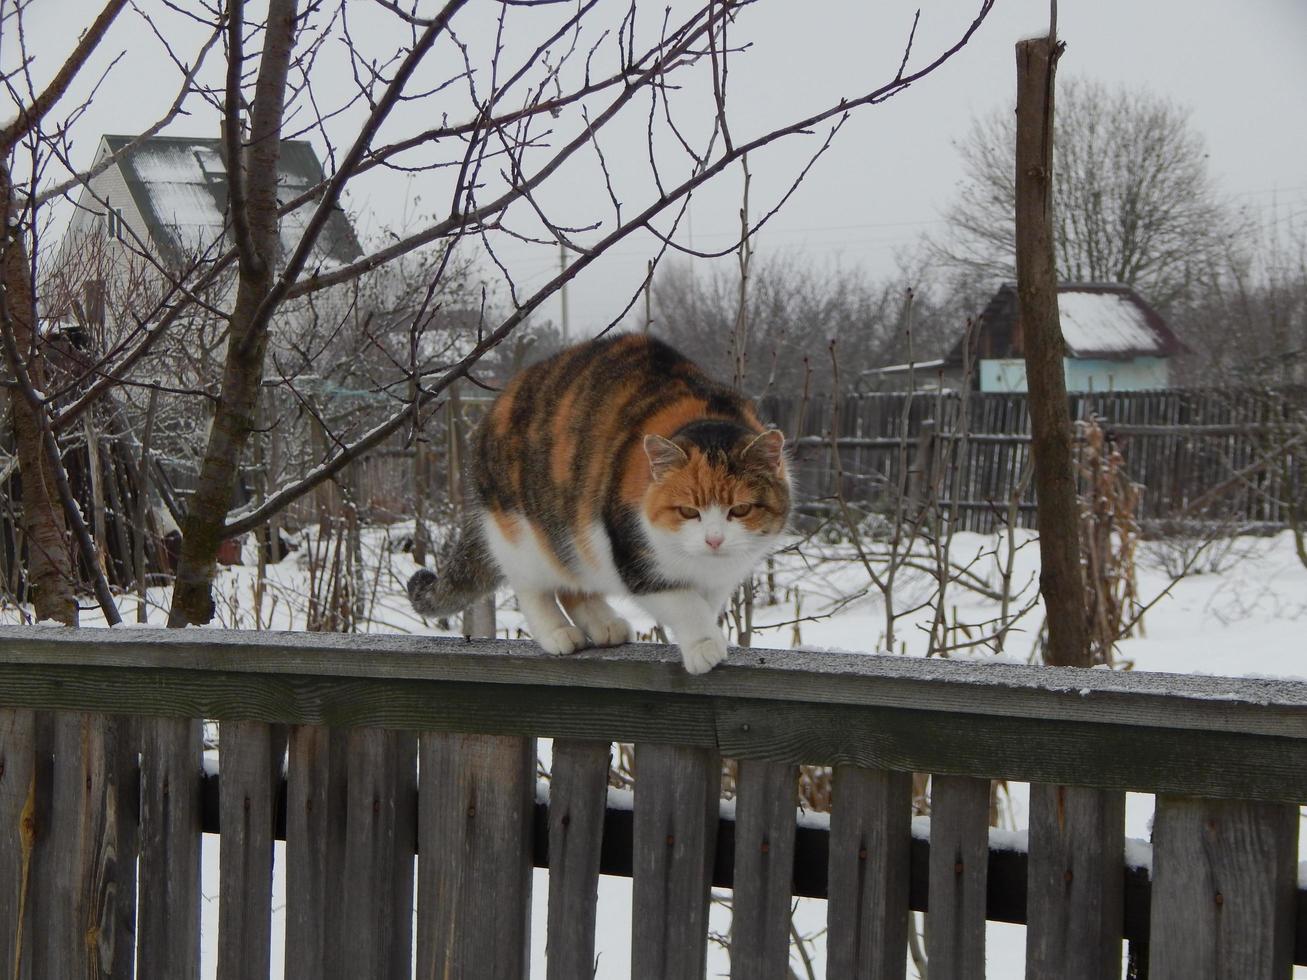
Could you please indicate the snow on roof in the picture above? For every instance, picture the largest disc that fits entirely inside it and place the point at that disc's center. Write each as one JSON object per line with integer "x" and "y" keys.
{"x": 1102, "y": 322}
{"x": 180, "y": 186}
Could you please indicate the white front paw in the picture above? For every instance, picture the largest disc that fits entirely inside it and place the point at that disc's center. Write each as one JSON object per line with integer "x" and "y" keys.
{"x": 703, "y": 655}
{"x": 562, "y": 641}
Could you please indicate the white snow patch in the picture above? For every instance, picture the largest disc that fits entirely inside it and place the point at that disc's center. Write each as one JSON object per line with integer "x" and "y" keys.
{"x": 1138, "y": 854}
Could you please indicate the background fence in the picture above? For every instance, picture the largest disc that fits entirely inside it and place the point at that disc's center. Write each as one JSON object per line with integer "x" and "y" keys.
{"x": 1235, "y": 456}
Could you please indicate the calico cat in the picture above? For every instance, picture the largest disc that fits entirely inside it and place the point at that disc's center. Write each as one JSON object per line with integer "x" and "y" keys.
{"x": 616, "y": 467}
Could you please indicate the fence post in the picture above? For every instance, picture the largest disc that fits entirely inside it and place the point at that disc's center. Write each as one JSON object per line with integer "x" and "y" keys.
{"x": 249, "y": 757}
{"x": 316, "y": 820}
{"x": 578, "y": 793}
{"x": 168, "y": 933}
{"x": 677, "y": 789}
{"x": 766, "y": 802}
{"x": 476, "y": 807}
{"x": 83, "y": 870}
{"x": 1224, "y": 888}
{"x": 17, "y": 797}
{"x": 870, "y": 839}
{"x": 959, "y": 872}
{"x": 1075, "y": 885}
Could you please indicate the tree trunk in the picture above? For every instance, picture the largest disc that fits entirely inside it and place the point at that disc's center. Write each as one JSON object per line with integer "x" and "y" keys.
{"x": 202, "y": 529}
{"x": 50, "y": 571}
{"x": 1060, "y": 580}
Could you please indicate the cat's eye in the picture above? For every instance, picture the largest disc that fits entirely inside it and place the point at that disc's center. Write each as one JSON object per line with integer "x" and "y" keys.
{"x": 689, "y": 513}
{"x": 741, "y": 510}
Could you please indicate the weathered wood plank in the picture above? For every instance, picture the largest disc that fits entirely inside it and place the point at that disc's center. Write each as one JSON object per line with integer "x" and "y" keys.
{"x": 941, "y": 736}
{"x": 17, "y": 802}
{"x": 766, "y": 801}
{"x": 959, "y": 868}
{"x": 1017, "y": 748}
{"x": 677, "y": 790}
{"x": 379, "y": 844}
{"x": 475, "y": 808}
{"x": 1224, "y": 878}
{"x": 83, "y": 872}
{"x": 316, "y": 816}
{"x": 249, "y": 758}
{"x": 168, "y": 934}
{"x": 867, "y": 915}
{"x": 1140, "y": 698}
{"x": 578, "y": 793}
{"x": 1075, "y": 884}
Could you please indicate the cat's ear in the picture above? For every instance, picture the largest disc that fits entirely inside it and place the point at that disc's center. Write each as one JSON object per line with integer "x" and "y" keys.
{"x": 664, "y": 455}
{"x": 767, "y": 448}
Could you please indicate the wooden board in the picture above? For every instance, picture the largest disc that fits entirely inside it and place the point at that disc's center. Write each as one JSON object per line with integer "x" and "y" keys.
{"x": 868, "y": 878}
{"x": 1134, "y": 698}
{"x": 475, "y": 807}
{"x": 168, "y": 933}
{"x": 578, "y": 792}
{"x": 17, "y": 800}
{"x": 1075, "y": 888}
{"x": 83, "y": 872}
{"x": 1224, "y": 878}
{"x": 959, "y": 865}
{"x": 766, "y": 798}
{"x": 379, "y": 843}
{"x": 676, "y": 804}
{"x": 316, "y": 816}
{"x": 249, "y": 756}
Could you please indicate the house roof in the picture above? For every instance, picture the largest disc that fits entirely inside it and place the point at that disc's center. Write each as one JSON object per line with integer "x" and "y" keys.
{"x": 179, "y": 184}
{"x": 1099, "y": 320}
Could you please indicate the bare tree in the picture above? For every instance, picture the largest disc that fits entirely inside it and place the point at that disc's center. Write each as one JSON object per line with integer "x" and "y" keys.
{"x": 1248, "y": 326}
{"x": 48, "y": 505}
{"x": 1133, "y": 201}
{"x": 794, "y": 310}
{"x": 514, "y": 119}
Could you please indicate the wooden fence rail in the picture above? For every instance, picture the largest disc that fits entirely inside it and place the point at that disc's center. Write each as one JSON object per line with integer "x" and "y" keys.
{"x": 1232, "y": 455}
{"x": 396, "y": 745}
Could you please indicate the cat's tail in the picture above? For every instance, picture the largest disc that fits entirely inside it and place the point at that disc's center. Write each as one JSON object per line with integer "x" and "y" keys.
{"x": 467, "y": 572}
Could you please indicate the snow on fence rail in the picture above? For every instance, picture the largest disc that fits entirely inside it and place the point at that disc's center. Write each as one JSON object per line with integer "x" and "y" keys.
{"x": 399, "y": 745}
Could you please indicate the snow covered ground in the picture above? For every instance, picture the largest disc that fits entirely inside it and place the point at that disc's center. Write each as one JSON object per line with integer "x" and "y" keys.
{"x": 1240, "y": 611}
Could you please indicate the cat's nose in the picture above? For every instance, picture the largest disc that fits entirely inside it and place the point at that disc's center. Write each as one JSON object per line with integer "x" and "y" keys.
{"x": 714, "y": 541}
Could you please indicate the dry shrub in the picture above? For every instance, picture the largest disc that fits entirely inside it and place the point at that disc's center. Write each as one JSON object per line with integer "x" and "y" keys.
{"x": 1109, "y": 534}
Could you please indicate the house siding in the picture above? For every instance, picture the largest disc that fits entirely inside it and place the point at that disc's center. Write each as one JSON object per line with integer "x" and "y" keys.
{"x": 1082, "y": 374}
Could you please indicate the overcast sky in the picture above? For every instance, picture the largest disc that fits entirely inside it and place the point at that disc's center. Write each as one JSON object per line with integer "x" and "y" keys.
{"x": 1241, "y": 68}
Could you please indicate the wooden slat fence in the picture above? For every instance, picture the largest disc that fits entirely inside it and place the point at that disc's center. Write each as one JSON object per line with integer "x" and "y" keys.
{"x": 403, "y": 745}
{"x": 1239, "y": 456}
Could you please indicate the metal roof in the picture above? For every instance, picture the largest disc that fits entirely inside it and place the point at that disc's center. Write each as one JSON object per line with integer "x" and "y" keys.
{"x": 1099, "y": 320}
{"x": 179, "y": 184}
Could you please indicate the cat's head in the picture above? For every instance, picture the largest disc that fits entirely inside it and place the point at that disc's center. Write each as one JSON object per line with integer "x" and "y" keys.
{"x": 719, "y": 490}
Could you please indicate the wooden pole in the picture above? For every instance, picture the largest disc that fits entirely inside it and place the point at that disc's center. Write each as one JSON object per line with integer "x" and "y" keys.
{"x": 1078, "y": 925}
{"x": 1058, "y": 519}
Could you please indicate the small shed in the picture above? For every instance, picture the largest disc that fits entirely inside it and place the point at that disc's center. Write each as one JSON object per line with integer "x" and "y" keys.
{"x": 1115, "y": 341}
{"x": 171, "y": 191}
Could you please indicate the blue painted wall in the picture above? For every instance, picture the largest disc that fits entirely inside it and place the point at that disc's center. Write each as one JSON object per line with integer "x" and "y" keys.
{"x": 1082, "y": 374}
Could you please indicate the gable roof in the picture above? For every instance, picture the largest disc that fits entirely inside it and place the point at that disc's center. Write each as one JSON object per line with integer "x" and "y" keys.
{"x": 179, "y": 185}
{"x": 1099, "y": 320}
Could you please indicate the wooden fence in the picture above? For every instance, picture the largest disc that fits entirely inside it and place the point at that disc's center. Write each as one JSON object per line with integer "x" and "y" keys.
{"x": 1237, "y": 456}
{"x": 400, "y": 745}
